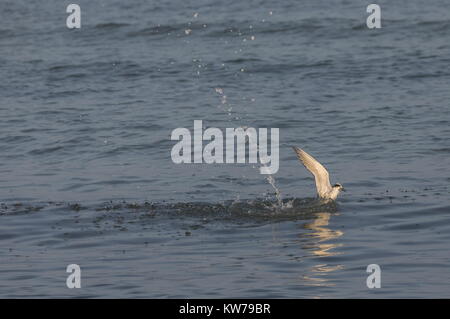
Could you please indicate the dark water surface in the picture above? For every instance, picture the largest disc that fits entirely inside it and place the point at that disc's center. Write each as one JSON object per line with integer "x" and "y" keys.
{"x": 86, "y": 175}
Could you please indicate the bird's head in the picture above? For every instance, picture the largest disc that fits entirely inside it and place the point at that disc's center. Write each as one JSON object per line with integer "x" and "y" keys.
{"x": 339, "y": 187}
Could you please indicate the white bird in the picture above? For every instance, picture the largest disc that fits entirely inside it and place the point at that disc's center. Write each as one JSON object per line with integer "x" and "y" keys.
{"x": 324, "y": 188}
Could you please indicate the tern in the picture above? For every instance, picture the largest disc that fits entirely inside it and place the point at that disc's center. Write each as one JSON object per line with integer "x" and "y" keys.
{"x": 324, "y": 188}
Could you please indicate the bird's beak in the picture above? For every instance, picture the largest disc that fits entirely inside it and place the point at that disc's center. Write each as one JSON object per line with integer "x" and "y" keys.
{"x": 343, "y": 189}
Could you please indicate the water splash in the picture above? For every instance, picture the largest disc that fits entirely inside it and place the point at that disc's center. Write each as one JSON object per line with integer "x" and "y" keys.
{"x": 281, "y": 205}
{"x": 225, "y": 105}
{"x": 271, "y": 181}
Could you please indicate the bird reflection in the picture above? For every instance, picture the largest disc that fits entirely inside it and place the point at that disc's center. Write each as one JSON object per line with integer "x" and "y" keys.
{"x": 322, "y": 234}
{"x": 321, "y": 247}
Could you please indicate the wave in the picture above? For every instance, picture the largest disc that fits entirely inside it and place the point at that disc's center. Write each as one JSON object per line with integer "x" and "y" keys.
{"x": 111, "y": 25}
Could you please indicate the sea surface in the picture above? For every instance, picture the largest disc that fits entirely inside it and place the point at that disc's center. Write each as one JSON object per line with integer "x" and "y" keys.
{"x": 86, "y": 175}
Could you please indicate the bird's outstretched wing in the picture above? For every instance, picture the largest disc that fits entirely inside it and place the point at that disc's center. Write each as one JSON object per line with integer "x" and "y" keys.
{"x": 320, "y": 173}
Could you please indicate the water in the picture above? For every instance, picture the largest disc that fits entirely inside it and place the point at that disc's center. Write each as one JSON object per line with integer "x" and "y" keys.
{"x": 86, "y": 175}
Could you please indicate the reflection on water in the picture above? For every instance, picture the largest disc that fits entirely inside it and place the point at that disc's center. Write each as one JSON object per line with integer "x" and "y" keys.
{"x": 321, "y": 247}
{"x": 323, "y": 234}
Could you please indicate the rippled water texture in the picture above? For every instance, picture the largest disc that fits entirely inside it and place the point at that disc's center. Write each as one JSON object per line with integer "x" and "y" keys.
{"x": 86, "y": 175}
